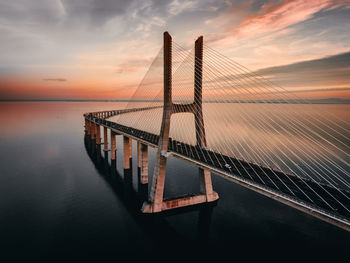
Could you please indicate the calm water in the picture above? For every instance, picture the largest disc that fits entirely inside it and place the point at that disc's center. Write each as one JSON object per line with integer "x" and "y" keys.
{"x": 61, "y": 201}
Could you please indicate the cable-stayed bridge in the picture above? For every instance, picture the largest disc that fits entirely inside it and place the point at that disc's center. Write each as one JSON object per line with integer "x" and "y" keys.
{"x": 204, "y": 108}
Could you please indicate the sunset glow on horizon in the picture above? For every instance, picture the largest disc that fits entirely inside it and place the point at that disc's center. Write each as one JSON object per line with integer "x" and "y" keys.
{"x": 81, "y": 49}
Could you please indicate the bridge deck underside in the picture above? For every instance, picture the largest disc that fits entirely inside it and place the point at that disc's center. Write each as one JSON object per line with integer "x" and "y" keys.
{"x": 290, "y": 185}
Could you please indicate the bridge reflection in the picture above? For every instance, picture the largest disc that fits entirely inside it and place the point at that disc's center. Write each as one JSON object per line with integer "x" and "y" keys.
{"x": 155, "y": 225}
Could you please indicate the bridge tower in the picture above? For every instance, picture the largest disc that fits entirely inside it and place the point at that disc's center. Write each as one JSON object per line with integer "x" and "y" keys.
{"x": 157, "y": 202}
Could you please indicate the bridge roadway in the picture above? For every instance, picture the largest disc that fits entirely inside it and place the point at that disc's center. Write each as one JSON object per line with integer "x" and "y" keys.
{"x": 272, "y": 183}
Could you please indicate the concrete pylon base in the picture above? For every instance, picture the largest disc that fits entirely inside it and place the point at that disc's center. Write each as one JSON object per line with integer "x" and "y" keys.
{"x": 174, "y": 203}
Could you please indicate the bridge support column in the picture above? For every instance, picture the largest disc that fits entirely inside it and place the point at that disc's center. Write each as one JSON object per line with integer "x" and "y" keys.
{"x": 113, "y": 145}
{"x": 127, "y": 152}
{"x": 98, "y": 134}
{"x": 138, "y": 154}
{"x": 105, "y": 139}
{"x": 144, "y": 164}
{"x": 87, "y": 126}
{"x": 157, "y": 189}
{"x": 206, "y": 186}
{"x": 93, "y": 130}
{"x": 157, "y": 203}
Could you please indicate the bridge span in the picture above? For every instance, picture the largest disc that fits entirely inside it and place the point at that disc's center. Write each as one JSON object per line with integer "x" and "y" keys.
{"x": 327, "y": 201}
{"x": 277, "y": 184}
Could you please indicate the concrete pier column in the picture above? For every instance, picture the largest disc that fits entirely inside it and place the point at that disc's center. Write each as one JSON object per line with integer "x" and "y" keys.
{"x": 87, "y": 126}
{"x": 139, "y": 154}
{"x": 105, "y": 139}
{"x": 93, "y": 130}
{"x": 127, "y": 152}
{"x": 98, "y": 134}
{"x": 205, "y": 184}
{"x": 144, "y": 163}
{"x": 113, "y": 145}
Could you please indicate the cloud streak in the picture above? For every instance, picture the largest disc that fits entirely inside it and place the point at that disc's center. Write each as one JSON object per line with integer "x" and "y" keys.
{"x": 328, "y": 71}
{"x": 55, "y": 79}
{"x": 272, "y": 16}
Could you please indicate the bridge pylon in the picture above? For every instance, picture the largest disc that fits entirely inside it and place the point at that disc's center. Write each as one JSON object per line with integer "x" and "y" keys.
{"x": 156, "y": 201}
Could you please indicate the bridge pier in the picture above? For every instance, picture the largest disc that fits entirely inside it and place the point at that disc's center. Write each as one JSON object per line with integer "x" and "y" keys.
{"x": 93, "y": 130}
{"x": 105, "y": 139}
{"x": 139, "y": 155}
{"x": 98, "y": 134}
{"x": 127, "y": 145}
{"x": 127, "y": 152}
{"x": 113, "y": 145}
{"x": 206, "y": 186}
{"x": 87, "y": 127}
{"x": 144, "y": 163}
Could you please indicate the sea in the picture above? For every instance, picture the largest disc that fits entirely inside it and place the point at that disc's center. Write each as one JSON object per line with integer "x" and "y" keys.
{"x": 62, "y": 200}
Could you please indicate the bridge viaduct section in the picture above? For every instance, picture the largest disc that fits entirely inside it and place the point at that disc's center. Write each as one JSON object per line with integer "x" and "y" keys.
{"x": 93, "y": 129}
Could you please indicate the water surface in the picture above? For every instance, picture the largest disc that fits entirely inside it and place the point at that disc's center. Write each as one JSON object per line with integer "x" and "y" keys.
{"x": 60, "y": 201}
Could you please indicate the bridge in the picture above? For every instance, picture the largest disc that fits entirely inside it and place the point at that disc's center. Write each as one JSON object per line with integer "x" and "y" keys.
{"x": 319, "y": 188}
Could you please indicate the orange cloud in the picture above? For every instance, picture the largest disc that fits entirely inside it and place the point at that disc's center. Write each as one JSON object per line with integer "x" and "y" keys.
{"x": 275, "y": 16}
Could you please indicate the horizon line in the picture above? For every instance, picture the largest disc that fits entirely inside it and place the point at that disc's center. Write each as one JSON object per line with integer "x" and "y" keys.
{"x": 274, "y": 101}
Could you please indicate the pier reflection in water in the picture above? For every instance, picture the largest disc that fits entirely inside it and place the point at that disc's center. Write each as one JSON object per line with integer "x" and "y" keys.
{"x": 123, "y": 187}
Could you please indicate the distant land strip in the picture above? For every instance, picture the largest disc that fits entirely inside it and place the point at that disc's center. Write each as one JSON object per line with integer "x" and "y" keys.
{"x": 275, "y": 101}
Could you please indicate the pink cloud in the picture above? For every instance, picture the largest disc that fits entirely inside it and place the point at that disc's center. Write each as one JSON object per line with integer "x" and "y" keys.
{"x": 274, "y": 16}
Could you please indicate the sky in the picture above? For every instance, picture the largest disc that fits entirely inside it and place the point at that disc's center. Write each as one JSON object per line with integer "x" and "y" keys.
{"x": 101, "y": 49}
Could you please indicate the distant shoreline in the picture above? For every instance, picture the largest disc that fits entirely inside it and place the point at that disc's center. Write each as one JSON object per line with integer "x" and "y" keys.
{"x": 296, "y": 101}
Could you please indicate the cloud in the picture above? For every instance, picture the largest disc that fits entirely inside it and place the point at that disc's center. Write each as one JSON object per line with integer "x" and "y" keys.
{"x": 327, "y": 71}
{"x": 319, "y": 90}
{"x": 133, "y": 65}
{"x": 39, "y": 13}
{"x": 176, "y": 7}
{"x": 55, "y": 79}
{"x": 96, "y": 12}
{"x": 271, "y": 17}
{"x": 318, "y": 78}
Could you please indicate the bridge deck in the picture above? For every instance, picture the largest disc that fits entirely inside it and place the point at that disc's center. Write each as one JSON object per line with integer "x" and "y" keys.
{"x": 265, "y": 180}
